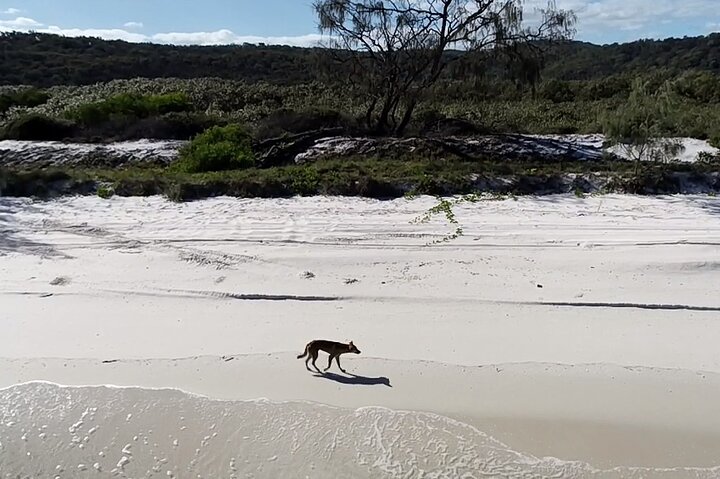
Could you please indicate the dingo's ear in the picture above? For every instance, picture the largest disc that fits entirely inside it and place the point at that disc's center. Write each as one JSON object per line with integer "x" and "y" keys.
{"x": 351, "y": 343}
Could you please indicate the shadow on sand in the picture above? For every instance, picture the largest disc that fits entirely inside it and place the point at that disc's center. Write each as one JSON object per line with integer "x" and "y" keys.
{"x": 11, "y": 237}
{"x": 354, "y": 379}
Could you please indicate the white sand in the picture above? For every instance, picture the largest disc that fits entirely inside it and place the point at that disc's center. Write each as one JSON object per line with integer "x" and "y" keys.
{"x": 162, "y": 148}
{"x": 60, "y": 153}
{"x": 613, "y": 361}
{"x": 589, "y": 146}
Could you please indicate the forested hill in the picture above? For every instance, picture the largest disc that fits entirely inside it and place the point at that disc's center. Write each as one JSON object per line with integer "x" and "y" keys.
{"x": 585, "y": 61}
{"x": 45, "y": 60}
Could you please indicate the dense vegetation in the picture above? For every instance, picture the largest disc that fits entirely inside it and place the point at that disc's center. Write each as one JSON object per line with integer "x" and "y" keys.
{"x": 94, "y": 90}
{"x": 46, "y": 60}
{"x": 273, "y": 89}
{"x": 124, "y": 109}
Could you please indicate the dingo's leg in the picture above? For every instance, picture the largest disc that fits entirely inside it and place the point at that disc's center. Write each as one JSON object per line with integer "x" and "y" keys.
{"x": 337, "y": 360}
{"x": 330, "y": 361}
{"x": 314, "y": 358}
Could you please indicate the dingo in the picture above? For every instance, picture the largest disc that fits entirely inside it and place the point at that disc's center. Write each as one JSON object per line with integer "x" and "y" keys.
{"x": 331, "y": 347}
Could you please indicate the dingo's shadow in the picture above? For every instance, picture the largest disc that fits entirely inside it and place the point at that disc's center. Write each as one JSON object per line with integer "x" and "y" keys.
{"x": 354, "y": 379}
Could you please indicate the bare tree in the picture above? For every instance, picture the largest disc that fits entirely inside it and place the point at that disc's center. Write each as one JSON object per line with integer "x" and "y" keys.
{"x": 396, "y": 49}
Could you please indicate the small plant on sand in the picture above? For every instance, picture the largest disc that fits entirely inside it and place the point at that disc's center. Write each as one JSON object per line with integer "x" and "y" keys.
{"x": 637, "y": 127}
{"x": 445, "y": 208}
{"x": 217, "y": 149}
{"x": 105, "y": 191}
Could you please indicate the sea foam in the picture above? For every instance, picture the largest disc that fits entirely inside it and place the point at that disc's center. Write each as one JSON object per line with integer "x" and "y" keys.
{"x": 47, "y": 430}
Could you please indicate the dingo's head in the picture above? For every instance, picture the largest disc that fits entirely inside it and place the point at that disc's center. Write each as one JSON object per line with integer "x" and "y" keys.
{"x": 353, "y": 348}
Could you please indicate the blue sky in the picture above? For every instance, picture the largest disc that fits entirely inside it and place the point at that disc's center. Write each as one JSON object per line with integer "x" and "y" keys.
{"x": 292, "y": 21}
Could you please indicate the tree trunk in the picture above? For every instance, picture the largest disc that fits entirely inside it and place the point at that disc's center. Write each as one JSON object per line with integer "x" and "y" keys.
{"x": 381, "y": 127}
{"x": 369, "y": 112}
{"x": 406, "y": 118}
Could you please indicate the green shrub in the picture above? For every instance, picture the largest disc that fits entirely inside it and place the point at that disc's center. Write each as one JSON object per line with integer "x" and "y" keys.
{"x": 305, "y": 181}
{"x": 217, "y": 149}
{"x": 699, "y": 86}
{"x": 169, "y": 103}
{"x": 105, "y": 191}
{"x": 29, "y": 97}
{"x": 426, "y": 185}
{"x": 604, "y": 88}
{"x": 131, "y": 105}
{"x": 556, "y": 91}
{"x": 715, "y": 141}
{"x": 36, "y": 127}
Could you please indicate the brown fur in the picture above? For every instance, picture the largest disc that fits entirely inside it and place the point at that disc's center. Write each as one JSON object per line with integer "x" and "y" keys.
{"x": 331, "y": 347}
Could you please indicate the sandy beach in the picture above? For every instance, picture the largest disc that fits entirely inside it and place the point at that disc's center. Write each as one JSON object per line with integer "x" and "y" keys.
{"x": 559, "y": 337}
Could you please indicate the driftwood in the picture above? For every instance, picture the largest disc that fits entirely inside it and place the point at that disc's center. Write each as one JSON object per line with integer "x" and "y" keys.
{"x": 282, "y": 150}
{"x": 310, "y": 146}
{"x": 470, "y": 148}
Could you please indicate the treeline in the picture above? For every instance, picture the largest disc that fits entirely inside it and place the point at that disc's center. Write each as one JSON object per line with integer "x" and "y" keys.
{"x": 45, "y": 60}
{"x": 585, "y": 61}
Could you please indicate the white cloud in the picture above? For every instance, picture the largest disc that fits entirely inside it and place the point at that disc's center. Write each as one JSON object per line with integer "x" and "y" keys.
{"x": 106, "y": 33}
{"x": 11, "y": 11}
{"x": 220, "y": 37}
{"x": 20, "y": 23}
{"x": 609, "y": 16}
{"x": 597, "y": 19}
{"x": 227, "y": 37}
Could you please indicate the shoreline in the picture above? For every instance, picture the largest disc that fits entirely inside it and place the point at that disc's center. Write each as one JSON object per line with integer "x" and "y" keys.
{"x": 160, "y": 429}
{"x": 538, "y": 409}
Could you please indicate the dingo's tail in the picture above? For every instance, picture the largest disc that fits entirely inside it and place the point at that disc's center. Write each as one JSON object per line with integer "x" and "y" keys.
{"x": 304, "y": 352}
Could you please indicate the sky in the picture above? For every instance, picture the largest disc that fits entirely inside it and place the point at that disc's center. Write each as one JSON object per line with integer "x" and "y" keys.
{"x": 291, "y": 22}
